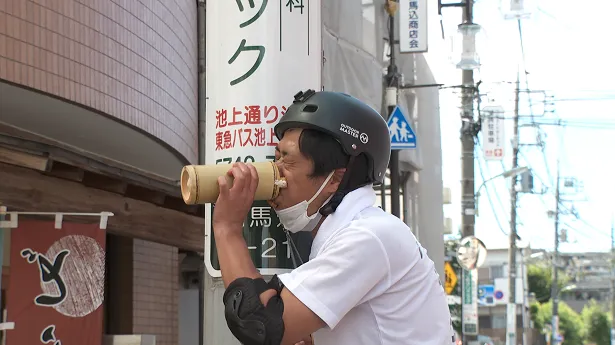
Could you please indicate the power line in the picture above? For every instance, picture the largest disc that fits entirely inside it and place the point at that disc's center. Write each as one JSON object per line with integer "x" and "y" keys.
{"x": 529, "y": 96}
{"x": 562, "y": 204}
{"x": 497, "y": 195}
{"x": 495, "y": 214}
{"x": 582, "y": 99}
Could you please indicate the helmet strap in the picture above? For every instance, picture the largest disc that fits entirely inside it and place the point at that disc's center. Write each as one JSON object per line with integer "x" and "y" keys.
{"x": 341, "y": 192}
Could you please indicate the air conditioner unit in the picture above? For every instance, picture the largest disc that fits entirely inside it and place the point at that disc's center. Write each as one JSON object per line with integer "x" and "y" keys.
{"x": 446, "y": 196}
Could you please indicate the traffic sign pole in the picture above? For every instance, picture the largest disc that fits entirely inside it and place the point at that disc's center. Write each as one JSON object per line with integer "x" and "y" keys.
{"x": 402, "y": 137}
{"x": 252, "y": 48}
{"x": 392, "y": 80}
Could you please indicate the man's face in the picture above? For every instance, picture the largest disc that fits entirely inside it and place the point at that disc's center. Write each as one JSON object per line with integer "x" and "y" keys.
{"x": 297, "y": 168}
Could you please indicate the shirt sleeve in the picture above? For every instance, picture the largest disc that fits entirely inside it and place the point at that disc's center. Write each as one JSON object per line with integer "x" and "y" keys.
{"x": 340, "y": 277}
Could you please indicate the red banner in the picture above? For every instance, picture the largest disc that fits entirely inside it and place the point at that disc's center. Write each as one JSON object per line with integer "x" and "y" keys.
{"x": 56, "y": 291}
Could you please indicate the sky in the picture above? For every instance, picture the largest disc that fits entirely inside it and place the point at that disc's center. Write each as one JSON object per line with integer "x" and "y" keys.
{"x": 566, "y": 53}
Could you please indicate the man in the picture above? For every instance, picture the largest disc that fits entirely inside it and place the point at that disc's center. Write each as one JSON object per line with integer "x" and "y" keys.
{"x": 368, "y": 280}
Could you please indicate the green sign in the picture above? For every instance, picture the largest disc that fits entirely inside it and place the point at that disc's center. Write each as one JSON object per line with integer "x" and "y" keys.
{"x": 467, "y": 286}
{"x": 267, "y": 241}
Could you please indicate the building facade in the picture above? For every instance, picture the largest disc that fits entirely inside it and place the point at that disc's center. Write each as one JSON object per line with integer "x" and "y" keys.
{"x": 98, "y": 113}
{"x": 590, "y": 276}
{"x": 493, "y": 282}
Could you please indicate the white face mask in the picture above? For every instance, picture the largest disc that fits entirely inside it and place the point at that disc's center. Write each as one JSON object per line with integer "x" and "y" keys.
{"x": 295, "y": 218}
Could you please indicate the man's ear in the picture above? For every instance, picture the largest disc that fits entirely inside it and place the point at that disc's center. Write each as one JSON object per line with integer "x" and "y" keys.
{"x": 336, "y": 179}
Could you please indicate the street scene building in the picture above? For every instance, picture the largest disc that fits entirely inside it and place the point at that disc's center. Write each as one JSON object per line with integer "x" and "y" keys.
{"x": 101, "y": 105}
{"x": 98, "y": 113}
{"x": 103, "y": 102}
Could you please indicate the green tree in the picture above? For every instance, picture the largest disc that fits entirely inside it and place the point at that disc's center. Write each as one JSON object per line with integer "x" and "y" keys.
{"x": 597, "y": 324}
{"x": 571, "y": 324}
{"x": 539, "y": 280}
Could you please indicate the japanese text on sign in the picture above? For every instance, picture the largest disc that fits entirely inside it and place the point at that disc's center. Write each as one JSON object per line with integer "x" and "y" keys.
{"x": 49, "y": 294}
{"x": 248, "y": 91}
{"x": 48, "y": 335}
{"x": 260, "y": 216}
{"x": 49, "y": 272}
{"x": 413, "y": 26}
{"x": 493, "y": 133}
{"x": 297, "y": 7}
{"x": 290, "y": 4}
{"x": 232, "y": 131}
{"x": 243, "y": 47}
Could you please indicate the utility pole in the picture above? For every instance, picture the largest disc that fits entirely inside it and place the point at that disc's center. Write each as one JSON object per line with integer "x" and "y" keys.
{"x": 468, "y": 133}
{"x": 511, "y": 323}
{"x": 612, "y": 281}
{"x": 467, "y": 142}
{"x": 391, "y": 92}
{"x": 554, "y": 285}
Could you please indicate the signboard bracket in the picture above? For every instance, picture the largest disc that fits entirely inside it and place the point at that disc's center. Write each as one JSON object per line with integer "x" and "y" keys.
{"x": 13, "y": 222}
{"x": 5, "y": 326}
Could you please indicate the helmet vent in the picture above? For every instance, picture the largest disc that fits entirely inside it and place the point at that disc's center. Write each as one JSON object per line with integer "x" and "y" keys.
{"x": 310, "y": 108}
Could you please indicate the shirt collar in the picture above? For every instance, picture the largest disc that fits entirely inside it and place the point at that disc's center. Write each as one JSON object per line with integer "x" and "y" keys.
{"x": 353, "y": 203}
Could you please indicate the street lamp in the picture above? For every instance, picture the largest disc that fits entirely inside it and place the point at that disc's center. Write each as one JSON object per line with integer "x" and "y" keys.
{"x": 517, "y": 9}
{"x": 467, "y": 44}
{"x": 506, "y": 174}
{"x": 536, "y": 255}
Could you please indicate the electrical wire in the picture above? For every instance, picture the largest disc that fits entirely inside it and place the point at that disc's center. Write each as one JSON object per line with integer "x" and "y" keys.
{"x": 575, "y": 123}
{"x": 605, "y": 125}
{"x": 562, "y": 205}
{"x": 499, "y": 199}
{"x": 582, "y": 233}
{"x": 529, "y": 96}
{"x": 495, "y": 214}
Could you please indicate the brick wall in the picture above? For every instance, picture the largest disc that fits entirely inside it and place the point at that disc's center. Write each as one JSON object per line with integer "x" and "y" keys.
{"x": 155, "y": 291}
{"x": 133, "y": 60}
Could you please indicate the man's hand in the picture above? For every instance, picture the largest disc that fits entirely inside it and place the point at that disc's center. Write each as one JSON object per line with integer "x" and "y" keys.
{"x": 234, "y": 203}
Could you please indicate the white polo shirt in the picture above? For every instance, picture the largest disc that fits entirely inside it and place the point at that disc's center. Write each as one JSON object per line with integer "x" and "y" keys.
{"x": 370, "y": 280}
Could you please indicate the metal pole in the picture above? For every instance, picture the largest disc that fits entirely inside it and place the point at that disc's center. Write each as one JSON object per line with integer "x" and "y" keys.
{"x": 524, "y": 313}
{"x": 2, "y": 218}
{"x": 468, "y": 199}
{"x": 201, "y": 18}
{"x": 467, "y": 149}
{"x": 202, "y": 83}
{"x": 395, "y": 183}
{"x": 554, "y": 287}
{"x": 202, "y": 301}
{"x": 392, "y": 81}
{"x": 512, "y": 252}
{"x": 612, "y": 282}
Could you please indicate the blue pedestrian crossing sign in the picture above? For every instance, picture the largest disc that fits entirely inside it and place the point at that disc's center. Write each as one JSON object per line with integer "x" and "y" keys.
{"x": 400, "y": 131}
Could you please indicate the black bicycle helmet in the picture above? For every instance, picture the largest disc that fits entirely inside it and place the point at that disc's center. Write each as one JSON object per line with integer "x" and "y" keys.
{"x": 355, "y": 125}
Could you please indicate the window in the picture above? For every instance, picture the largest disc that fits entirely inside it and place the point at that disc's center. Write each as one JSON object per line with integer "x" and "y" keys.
{"x": 497, "y": 272}
{"x": 498, "y": 321}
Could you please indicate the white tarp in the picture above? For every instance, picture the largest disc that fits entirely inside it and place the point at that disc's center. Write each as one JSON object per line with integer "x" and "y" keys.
{"x": 353, "y": 37}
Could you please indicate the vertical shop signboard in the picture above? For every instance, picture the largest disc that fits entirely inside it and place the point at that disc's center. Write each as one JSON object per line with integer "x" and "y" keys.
{"x": 259, "y": 55}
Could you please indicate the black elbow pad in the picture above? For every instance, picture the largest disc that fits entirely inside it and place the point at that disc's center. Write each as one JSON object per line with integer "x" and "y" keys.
{"x": 248, "y": 319}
